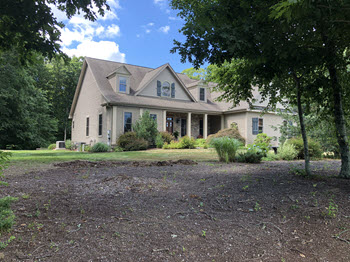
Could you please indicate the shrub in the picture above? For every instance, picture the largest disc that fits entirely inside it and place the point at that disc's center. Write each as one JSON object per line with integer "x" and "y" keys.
{"x": 87, "y": 148}
{"x": 159, "y": 141}
{"x": 287, "y": 151}
{"x": 176, "y": 134}
{"x": 228, "y": 132}
{"x": 7, "y": 217}
{"x": 263, "y": 142}
{"x": 226, "y": 148}
{"x": 51, "y": 146}
{"x": 173, "y": 145}
{"x": 146, "y": 128}
{"x": 130, "y": 142}
{"x": 69, "y": 144}
{"x": 254, "y": 154}
{"x": 118, "y": 149}
{"x": 271, "y": 156}
{"x": 99, "y": 147}
{"x": 315, "y": 149}
{"x": 167, "y": 137}
{"x": 201, "y": 142}
{"x": 187, "y": 142}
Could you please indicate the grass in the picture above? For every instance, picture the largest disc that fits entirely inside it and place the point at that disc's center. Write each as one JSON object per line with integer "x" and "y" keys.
{"x": 31, "y": 160}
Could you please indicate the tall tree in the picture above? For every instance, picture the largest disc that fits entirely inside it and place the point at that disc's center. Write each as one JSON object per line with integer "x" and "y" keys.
{"x": 30, "y": 25}
{"x": 272, "y": 47}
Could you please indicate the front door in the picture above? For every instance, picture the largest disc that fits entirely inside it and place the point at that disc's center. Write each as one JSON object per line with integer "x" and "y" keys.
{"x": 169, "y": 125}
{"x": 183, "y": 126}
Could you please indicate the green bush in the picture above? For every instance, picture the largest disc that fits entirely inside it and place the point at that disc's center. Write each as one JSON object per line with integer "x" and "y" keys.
{"x": 159, "y": 141}
{"x": 228, "y": 132}
{"x": 172, "y": 145}
{"x": 287, "y": 151}
{"x": 99, "y": 147}
{"x": 7, "y": 217}
{"x": 201, "y": 142}
{"x": 69, "y": 144}
{"x": 254, "y": 154}
{"x": 166, "y": 136}
{"x": 315, "y": 149}
{"x": 87, "y": 148}
{"x": 51, "y": 146}
{"x": 226, "y": 148}
{"x": 271, "y": 156}
{"x": 187, "y": 142}
{"x": 130, "y": 142}
{"x": 146, "y": 128}
{"x": 263, "y": 142}
{"x": 118, "y": 149}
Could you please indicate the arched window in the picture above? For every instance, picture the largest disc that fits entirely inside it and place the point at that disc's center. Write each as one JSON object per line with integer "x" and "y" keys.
{"x": 166, "y": 89}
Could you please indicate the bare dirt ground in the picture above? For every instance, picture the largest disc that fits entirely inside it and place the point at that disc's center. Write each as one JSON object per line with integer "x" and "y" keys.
{"x": 136, "y": 211}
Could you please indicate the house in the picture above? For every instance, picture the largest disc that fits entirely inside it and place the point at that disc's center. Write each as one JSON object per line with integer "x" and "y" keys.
{"x": 111, "y": 96}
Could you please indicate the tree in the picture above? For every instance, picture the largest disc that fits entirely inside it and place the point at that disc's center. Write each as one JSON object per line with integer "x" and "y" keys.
{"x": 196, "y": 74}
{"x": 25, "y": 120}
{"x": 29, "y": 26}
{"x": 267, "y": 50}
{"x": 146, "y": 128}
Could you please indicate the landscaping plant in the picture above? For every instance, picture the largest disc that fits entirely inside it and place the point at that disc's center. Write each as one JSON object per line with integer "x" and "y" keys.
{"x": 254, "y": 154}
{"x": 287, "y": 151}
{"x": 51, "y": 146}
{"x": 146, "y": 128}
{"x": 167, "y": 137}
{"x": 315, "y": 149}
{"x": 99, "y": 147}
{"x": 226, "y": 148}
{"x": 130, "y": 142}
{"x": 263, "y": 142}
{"x": 159, "y": 141}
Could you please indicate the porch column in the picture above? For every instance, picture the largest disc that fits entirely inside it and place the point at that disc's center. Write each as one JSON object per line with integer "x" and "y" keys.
{"x": 114, "y": 125}
{"x": 141, "y": 112}
{"x": 205, "y": 126}
{"x": 164, "y": 120}
{"x": 222, "y": 122}
{"x": 189, "y": 124}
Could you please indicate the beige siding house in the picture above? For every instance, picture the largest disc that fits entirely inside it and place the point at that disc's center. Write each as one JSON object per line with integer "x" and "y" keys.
{"x": 111, "y": 96}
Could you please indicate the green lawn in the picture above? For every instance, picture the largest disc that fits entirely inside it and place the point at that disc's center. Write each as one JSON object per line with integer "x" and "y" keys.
{"x": 50, "y": 156}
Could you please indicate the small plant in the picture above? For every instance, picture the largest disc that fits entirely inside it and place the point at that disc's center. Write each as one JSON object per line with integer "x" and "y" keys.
{"x": 118, "y": 149}
{"x": 130, "y": 142}
{"x": 226, "y": 148}
{"x": 263, "y": 142}
{"x": 99, "y": 147}
{"x": 51, "y": 146}
{"x": 245, "y": 188}
{"x": 315, "y": 149}
{"x": 7, "y": 242}
{"x": 201, "y": 142}
{"x": 69, "y": 144}
{"x": 257, "y": 207}
{"x": 253, "y": 154}
{"x": 287, "y": 151}
{"x": 7, "y": 217}
{"x": 187, "y": 142}
{"x": 146, "y": 128}
{"x": 332, "y": 209}
{"x": 167, "y": 137}
{"x": 204, "y": 233}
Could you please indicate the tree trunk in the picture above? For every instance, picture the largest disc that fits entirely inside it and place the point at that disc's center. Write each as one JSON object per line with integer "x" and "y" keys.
{"x": 302, "y": 126}
{"x": 340, "y": 123}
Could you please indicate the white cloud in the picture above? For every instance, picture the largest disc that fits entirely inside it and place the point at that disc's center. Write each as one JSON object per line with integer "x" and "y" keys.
{"x": 68, "y": 36}
{"x": 137, "y": 35}
{"x": 148, "y": 31}
{"x": 103, "y": 49}
{"x": 150, "y": 24}
{"x": 159, "y": 2}
{"x": 113, "y": 30}
{"x": 164, "y": 29}
{"x": 100, "y": 30}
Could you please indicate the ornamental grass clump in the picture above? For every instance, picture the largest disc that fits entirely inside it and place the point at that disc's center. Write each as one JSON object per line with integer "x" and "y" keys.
{"x": 226, "y": 148}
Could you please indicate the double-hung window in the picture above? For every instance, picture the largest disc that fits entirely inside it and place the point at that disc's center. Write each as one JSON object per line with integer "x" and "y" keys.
{"x": 100, "y": 124}
{"x": 127, "y": 121}
{"x": 202, "y": 94}
{"x": 87, "y": 126}
{"x": 258, "y": 125}
{"x": 122, "y": 84}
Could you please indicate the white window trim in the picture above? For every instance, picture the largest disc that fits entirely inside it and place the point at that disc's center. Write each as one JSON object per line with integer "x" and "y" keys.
{"x": 127, "y": 91}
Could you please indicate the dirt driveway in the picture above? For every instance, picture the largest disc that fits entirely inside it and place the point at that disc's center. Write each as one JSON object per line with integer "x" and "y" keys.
{"x": 114, "y": 211}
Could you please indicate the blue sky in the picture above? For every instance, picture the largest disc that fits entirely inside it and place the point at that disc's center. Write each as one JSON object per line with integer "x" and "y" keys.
{"x": 139, "y": 32}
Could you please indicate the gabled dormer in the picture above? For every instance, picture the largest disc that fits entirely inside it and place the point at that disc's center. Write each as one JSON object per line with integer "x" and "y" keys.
{"x": 120, "y": 80}
{"x": 199, "y": 90}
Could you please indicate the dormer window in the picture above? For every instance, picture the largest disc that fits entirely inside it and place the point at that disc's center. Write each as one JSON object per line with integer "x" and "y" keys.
{"x": 202, "y": 94}
{"x": 122, "y": 84}
{"x": 165, "y": 89}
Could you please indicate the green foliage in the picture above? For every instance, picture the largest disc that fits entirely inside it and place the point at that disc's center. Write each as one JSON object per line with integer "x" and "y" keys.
{"x": 287, "y": 151}
{"x": 7, "y": 217}
{"x": 314, "y": 147}
{"x": 130, "y": 142}
{"x": 332, "y": 209}
{"x": 226, "y": 148}
{"x": 187, "y": 142}
{"x": 146, "y": 128}
{"x": 5, "y": 243}
{"x": 167, "y": 137}
{"x": 69, "y": 144}
{"x": 31, "y": 26}
{"x": 25, "y": 119}
{"x": 201, "y": 142}
{"x": 271, "y": 156}
{"x": 197, "y": 74}
{"x": 51, "y": 146}
{"x": 254, "y": 154}
{"x": 228, "y": 132}
{"x": 118, "y": 149}
{"x": 263, "y": 142}
{"x": 99, "y": 147}
{"x": 172, "y": 145}
{"x": 159, "y": 141}
{"x": 87, "y": 148}
{"x": 176, "y": 134}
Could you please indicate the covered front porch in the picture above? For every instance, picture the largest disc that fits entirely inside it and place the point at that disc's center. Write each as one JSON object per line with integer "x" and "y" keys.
{"x": 192, "y": 124}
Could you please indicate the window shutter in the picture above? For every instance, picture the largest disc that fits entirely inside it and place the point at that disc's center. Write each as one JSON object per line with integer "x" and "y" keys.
{"x": 255, "y": 126}
{"x": 159, "y": 88}
{"x": 173, "y": 90}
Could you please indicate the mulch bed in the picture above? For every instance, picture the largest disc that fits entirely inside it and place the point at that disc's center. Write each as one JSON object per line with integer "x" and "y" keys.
{"x": 179, "y": 211}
